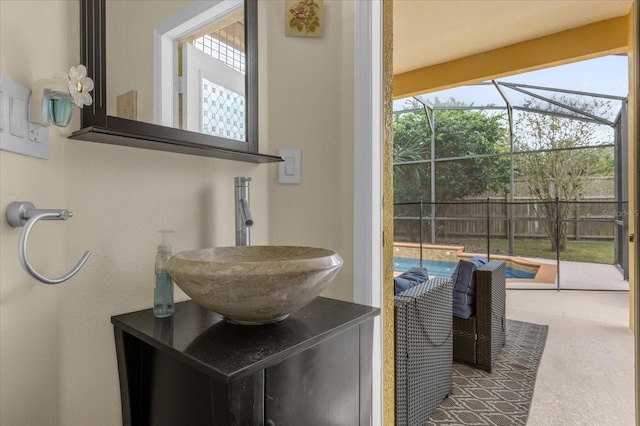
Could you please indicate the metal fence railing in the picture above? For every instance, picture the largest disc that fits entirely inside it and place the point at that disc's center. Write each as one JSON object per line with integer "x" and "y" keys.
{"x": 585, "y": 231}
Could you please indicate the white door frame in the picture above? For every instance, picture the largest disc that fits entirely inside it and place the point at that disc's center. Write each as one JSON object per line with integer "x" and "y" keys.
{"x": 635, "y": 93}
{"x": 367, "y": 178}
{"x": 165, "y": 37}
{"x": 196, "y": 66}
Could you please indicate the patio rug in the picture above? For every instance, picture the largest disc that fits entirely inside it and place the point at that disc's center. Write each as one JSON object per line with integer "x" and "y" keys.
{"x": 502, "y": 397}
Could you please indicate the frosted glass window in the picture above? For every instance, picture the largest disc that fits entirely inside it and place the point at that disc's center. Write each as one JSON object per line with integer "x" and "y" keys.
{"x": 223, "y": 111}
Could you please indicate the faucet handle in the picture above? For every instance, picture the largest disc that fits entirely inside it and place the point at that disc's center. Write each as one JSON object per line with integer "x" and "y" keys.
{"x": 242, "y": 180}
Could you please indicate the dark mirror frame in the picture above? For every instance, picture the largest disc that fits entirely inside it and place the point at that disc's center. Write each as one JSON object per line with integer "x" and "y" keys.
{"x": 97, "y": 126}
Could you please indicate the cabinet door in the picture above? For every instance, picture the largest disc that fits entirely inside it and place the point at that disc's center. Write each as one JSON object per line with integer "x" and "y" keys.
{"x": 320, "y": 386}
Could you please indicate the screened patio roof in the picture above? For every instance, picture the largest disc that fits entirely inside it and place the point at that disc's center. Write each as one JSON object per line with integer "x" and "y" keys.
{"x": 542, "y": 91}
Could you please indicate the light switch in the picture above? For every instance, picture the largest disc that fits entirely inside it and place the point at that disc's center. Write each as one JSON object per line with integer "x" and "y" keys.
{"x": 17, "y": 117}
{"x": 289, "y": 166}
{"x": 289, "y": 171}
{"x": 1, "y": 110}
{"x": 16, "y": 133}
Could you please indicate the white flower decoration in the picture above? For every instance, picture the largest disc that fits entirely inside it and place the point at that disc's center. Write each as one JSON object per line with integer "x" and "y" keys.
{"x": 80, "y": 85}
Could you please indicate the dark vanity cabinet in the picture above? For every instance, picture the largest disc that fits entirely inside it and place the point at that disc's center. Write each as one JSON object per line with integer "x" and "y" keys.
{"x": 313, "y": 368}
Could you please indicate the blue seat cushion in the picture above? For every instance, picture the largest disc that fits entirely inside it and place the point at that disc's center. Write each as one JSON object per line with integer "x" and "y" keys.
{"x": 479, "y": 261}
{"x": 410, "y": 278}
{"x": 464, "y": 286}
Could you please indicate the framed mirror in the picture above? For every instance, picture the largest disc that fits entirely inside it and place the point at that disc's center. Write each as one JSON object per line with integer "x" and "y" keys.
{"x": 178, "y": 76}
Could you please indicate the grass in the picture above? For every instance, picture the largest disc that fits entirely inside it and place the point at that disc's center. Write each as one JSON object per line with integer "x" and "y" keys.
{"x": 577, "y": 251}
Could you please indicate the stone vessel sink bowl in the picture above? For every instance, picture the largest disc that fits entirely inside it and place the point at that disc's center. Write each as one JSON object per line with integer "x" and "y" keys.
{"x": 255, "y": 284}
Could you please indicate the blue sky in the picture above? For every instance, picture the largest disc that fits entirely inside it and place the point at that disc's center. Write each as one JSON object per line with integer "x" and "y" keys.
{"x": 606, "y": 75}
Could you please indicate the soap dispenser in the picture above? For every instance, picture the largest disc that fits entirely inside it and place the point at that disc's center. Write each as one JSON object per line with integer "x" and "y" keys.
{"x": 163, "y": 293}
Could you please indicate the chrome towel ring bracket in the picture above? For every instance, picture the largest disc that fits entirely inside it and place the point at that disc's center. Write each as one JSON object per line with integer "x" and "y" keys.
{"x": 24, "y": 214}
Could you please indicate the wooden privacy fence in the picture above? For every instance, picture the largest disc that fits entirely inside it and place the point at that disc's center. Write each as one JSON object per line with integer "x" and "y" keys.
{"x": 591, "y": 219}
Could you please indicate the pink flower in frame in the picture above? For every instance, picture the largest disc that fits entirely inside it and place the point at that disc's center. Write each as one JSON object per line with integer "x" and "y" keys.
{"x": 304, "y": 17}
{"x": 300, "y": 14}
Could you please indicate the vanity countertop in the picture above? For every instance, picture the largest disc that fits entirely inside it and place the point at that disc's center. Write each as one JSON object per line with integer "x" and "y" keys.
{"x": 228, "y": 352}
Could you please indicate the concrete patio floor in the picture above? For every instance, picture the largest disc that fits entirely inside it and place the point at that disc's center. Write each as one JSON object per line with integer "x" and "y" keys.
{"x": 580, "y": 276}
{"x": 586, "y": 372}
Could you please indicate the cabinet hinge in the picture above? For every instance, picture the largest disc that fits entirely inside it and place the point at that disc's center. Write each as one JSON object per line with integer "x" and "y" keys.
{"x": 178, "y": 84}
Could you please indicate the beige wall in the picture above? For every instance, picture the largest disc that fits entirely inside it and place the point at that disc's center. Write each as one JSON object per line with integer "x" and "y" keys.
{"x": 130, "y": 42}
{"x": 57, "y": 357}
{"x": 308, "y": 104}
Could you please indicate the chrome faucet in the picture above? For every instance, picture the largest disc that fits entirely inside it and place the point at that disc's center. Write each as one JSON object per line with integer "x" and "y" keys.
{"x": 244, "y": 221}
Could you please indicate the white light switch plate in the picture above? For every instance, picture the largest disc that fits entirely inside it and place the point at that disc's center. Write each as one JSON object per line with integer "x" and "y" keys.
{"x": 289, "y": 171}
{"x": 16, "y": 133}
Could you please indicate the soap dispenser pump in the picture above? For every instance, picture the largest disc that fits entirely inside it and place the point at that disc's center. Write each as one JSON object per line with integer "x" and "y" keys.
{"x": 163, "y": 293}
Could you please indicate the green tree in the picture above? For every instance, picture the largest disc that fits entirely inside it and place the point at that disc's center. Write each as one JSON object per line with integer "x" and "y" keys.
{"x": 411, "y": 143}
{"x": 567, "y": 160}
{"x": 459, "y": 133}
{"x": 468, "y": 133}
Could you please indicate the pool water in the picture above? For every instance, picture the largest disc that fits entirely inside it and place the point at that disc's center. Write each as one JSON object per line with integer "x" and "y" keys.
{"x": 443, "y": 268}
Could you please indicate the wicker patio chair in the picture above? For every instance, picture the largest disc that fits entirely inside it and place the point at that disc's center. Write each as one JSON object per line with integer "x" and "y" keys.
{"x": 478, "y": 339}
{"x": 424, "y": 350}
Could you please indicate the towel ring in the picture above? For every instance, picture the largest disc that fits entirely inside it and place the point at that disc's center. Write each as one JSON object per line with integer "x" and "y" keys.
{"x": 24, "y": 214}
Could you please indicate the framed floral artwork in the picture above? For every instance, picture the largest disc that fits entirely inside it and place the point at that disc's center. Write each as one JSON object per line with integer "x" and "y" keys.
{"x": 304, "y": 18}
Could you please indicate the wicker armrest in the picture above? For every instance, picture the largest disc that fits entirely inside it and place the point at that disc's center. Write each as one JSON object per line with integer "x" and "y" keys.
{"x": 424, "y": 349}
{"x": 490, "y": 311}
{"x": 478, "y": 340}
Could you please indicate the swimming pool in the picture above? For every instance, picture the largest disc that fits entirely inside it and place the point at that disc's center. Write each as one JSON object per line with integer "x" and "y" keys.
{"x": 443, "y": 268}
